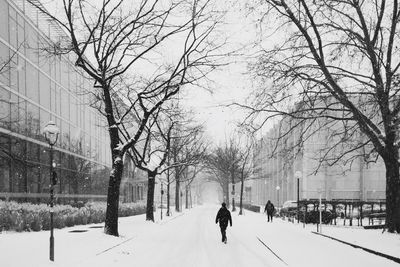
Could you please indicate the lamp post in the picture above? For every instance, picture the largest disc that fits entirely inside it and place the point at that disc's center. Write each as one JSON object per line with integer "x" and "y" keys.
{"x": 181, "y": 194}
{"x": 162, "y": 193}
{"x": 298, "y": 175}
{"x": 320, "y": 210}
{"x": 277, "y": 191}
{"x": 51, "y": 132}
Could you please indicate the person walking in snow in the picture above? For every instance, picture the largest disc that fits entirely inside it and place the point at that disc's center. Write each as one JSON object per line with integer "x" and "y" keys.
{"x": 223, "y": 217}
{"x": 269, "y": 208}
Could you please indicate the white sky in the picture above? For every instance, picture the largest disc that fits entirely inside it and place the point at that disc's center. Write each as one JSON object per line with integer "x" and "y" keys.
{"x": 211, "y": 107}
{"x": 231, "y": 84}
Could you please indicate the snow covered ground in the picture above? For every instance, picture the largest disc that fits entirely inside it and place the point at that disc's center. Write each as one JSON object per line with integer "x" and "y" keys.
{"x": 193, "y": 239}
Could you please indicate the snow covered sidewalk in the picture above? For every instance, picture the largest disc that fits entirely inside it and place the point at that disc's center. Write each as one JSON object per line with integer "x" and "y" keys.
{"x": 193, "y": 239}
{"x": 298, "y": 246}
{"x": 374, "y": 239}
{"x": 73, "y": 245}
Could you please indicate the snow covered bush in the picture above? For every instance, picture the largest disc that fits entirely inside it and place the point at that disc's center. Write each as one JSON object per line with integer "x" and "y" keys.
{"x": 35, "y": 217}
{"x": 127, "y": 209}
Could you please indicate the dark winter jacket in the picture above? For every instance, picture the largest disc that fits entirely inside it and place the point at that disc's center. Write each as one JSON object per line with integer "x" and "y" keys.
{"x": 269, "y": 207}
{"x": 223, "y": 217}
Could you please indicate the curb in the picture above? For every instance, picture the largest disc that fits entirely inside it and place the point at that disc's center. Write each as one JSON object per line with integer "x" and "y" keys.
{"x": 389, "y": 257}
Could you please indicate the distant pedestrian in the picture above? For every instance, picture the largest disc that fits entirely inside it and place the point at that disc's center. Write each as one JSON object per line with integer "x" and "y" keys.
{"x": 223, "y": 217}
{"x": 270, "y": 209}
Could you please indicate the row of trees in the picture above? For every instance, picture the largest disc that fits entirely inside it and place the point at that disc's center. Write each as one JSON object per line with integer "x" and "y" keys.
{"x": 231, "y": 163}
{"x": 123, "y": 48}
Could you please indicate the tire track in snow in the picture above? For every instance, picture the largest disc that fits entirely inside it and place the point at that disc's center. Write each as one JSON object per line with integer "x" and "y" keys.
{"x": 247, "y": 242}
{"x": 276, "y": 255}
{"x": 125, "y": 241}
{"x": 237, "y": 240}
{"x": 117, "y": 245}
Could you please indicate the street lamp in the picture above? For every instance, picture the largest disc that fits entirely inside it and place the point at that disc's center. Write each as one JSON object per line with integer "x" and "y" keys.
{"x": 51, "y": 132}
{"x": 298, "y": 175}
{"x": 181, "y": 204}
{"x": 320, "y": 210}
{"x": 162, "y": 193}
{"x": 277, "y": 190}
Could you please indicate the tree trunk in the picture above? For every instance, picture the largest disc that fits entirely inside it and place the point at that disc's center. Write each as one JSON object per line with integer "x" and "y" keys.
{"x": 168, "y": 184}
{"x": 111, "y": 221}
{"x": 241, "y": 196}
{"x": 233, "y": 189}
{"x": 151, "y": 177}
{"x": 190, "y": 198}
{"x": 392, "y": 192}
{"x": 168, "y": 211}
{"x": 233, "y": 198}
{"x": 177, "y": 189}
{"x": 226, "y": 191}
{"x": 186, "y": 198}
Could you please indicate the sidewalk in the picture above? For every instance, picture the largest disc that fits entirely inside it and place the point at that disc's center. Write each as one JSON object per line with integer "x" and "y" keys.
{"x": 299, "y": 246}
{"x": 374, "y": 239}
{"x": 72, "y": 245}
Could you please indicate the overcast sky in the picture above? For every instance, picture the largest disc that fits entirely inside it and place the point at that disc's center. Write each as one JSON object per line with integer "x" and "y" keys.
{"x": 231, "y": 84}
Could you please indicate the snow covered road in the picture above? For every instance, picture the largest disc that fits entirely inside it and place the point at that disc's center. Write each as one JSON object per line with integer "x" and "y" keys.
{"x": 194, "y": 240}
{"x": 190, "y": 239}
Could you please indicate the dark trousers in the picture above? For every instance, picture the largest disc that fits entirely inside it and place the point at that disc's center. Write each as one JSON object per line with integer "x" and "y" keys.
{"x": 269, "y": 215}
{"x": 223, "y": 231}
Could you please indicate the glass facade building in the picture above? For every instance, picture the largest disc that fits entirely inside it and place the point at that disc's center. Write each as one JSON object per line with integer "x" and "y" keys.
{"x": 36, "y": 87}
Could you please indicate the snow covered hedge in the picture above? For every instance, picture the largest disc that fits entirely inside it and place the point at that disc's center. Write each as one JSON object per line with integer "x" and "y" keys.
{"x": 35, "y": 217}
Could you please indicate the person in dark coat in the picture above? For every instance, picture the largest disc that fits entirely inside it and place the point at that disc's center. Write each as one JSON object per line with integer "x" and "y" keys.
{"x": 269, "y": 208}
{"x": 223, "y": 217}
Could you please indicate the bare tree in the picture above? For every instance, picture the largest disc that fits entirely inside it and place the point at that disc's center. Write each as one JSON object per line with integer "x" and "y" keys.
{"x": 117, "y": 44}
{"x": 188, "y": 149}
{"x": 189, "y": 176}
{"x": 245, "y": 167}
{"x": 223, "y": 164}
{"x": 151, "y": 154}
{"x": 335, "y": 68}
